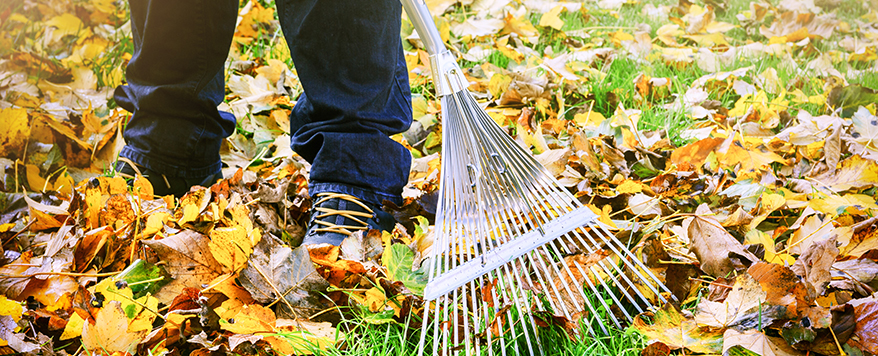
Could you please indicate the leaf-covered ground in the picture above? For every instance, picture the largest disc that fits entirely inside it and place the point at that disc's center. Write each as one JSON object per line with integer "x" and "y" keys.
{"x": 734, "y": 143}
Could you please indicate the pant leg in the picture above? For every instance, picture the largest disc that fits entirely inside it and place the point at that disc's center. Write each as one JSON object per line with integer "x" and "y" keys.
{"x": 174, "y": 84}
{"x": 349, "y": 58}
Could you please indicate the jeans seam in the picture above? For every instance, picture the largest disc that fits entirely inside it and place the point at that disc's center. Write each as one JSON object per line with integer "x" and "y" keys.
{"x": 168, "y": 169}
{"x": 369, "y": 196}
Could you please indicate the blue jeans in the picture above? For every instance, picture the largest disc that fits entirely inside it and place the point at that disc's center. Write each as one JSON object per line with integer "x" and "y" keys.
{"x": 349, "y": 58}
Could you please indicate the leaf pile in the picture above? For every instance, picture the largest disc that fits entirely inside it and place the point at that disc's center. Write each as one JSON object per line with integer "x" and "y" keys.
{"x": 735, "y": 146}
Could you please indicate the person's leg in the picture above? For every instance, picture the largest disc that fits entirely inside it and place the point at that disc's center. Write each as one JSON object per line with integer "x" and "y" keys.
{"x": 348, "y": 54}
{"x": 174, "y": 84}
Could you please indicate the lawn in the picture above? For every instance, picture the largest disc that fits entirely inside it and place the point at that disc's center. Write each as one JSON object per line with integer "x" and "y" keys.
{"x": 732, "y": 146}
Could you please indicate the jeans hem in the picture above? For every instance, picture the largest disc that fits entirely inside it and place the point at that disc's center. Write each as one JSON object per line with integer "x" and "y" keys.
{"x": 169, "y": 169}
{"x": 369, "y": 196}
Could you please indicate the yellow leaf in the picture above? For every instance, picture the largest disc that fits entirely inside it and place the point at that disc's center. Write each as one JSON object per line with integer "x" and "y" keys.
{"x": 604, "y": 215}
{"x": 14, "y": 133}
{"x": 73, "y": 328}
{"x": 375, "y": 299}
{"x": 854, "y": 172}
{"x": 230, "y": 247}
{"x": 629, "y": 187}
{"x": 498, "y": 84}
{"x": 11, "y": 308}
{"x": 110, "y": 332}
{"x": 65, "y": 24}
{"x": 591, "y": 118}
{"x": 154, "y": 223}
{"x": 303, "y": 337}
{"x": 668, "y": 34}
{"x": 551, "y": 19}
{"x": 520, "y": 26}
{"x": 618, "y": 37}
{"x": 857, "y": 204}
{"x": 770, "y": 203}
{"x": 709, "y": 40}
{"x": 756, "y": 237}
{"x": 34, "y": 181}
{"x": 143, "y": 321}
{"x": 250, "y": 319}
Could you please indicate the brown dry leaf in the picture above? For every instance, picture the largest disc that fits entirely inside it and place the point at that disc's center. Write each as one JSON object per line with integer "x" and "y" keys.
{"x": 782, "y": 287}
{"x": 854, "y": 275}
{"x": 677, "y": 331}
{"x": 740, "y": 309}
{"x": 276, "y": 271}
{"x": 757, "y": 342}
{"x": 13, "y": 287}
{"x": 792, "y": 26}
{"x": 189, "y": 261}
{"x": 695, "y": 153}
{"x": 814, "y": 264}
{"x": 335, "y": 270}
{"x": 109, "y": 332}
{"x": 713, "y": 245}
{"x": 53, "y": 291}
{"x": 866, "y": 313}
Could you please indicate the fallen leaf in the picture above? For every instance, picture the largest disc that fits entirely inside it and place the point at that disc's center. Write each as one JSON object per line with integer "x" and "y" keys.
{"x": 188, "y": 260}
{"x": 814, "y": 264}
{"x": 303, "y": 337}
{"x": 670, "y": 327}
{"x": 756, "y": 342}
{"x": 866, "y": 313}
{"x": 713, "y": 245}
{"x": 250, "y": 319}
{"x": 277, "y": 273}
{"x": 109, "y": 333}
{"x": 782, "y": 287}
{"x": 398, "y": 260}
{"x": 855, "y": 172}
{"x": 743, "y": 308}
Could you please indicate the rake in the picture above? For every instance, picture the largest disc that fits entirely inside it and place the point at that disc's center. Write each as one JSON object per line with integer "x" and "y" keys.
{"x": 508, "y": 235}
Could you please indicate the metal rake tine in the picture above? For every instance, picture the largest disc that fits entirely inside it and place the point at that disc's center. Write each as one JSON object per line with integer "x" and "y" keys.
{"x": 482, "y": 195}
{"x": 553, "y": 195}
{"x": 541, "y": 213}
{"x": 495, "y": 222}
{"x": 545, "y": 176}
{"x": 589, "y": 249}
{"x": 640, "y": 264}
{"x": 471, "y": 245}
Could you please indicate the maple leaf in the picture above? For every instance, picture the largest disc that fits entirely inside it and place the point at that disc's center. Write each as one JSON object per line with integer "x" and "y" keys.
{"x": 672, "y": 328}
{"x": 278, "y": 273}
{"x": 189, "y": 261}
{"x": 109, "y": 332}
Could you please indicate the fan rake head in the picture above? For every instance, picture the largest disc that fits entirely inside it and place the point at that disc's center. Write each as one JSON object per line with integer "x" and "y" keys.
{"x": 509, "y": 240}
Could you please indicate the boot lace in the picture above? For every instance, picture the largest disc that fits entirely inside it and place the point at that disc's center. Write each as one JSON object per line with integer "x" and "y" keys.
{"x": 350, "y": 214}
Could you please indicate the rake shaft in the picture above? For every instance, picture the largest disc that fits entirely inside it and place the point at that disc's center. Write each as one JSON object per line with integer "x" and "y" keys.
{"x": 508, "y": 235}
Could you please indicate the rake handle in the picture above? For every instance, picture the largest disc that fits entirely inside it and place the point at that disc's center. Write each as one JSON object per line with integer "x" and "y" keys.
{"x": 447, "y": 76}
{"x": 420, "y": 16}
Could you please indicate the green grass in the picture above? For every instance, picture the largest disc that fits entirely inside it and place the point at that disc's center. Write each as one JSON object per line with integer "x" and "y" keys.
{"x": 395, "y": 339}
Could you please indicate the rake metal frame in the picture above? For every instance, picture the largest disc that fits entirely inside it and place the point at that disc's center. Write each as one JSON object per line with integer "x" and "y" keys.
{"x": 503, "y": 225}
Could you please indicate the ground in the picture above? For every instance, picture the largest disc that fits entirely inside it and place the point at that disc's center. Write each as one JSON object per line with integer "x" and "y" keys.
{"x": 730, "y": 145}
